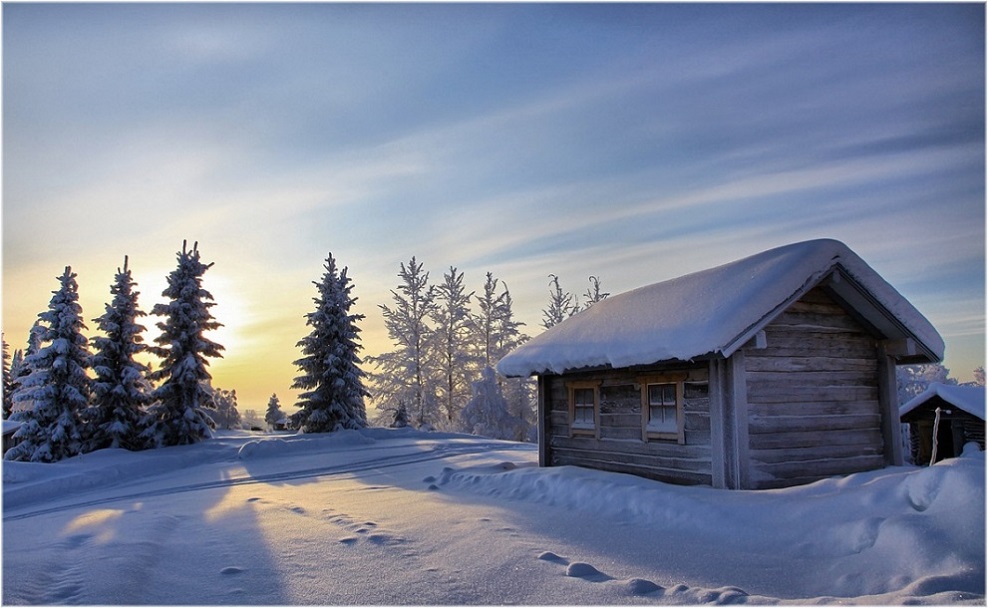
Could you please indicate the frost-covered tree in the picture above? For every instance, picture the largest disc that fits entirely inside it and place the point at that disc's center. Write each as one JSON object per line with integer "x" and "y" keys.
{"x": 59, "y": 385}
{"x": 331, "y": 375}
{"x": 8, "y": 380}
{"x": 179, "y": 415}
{"x": 496, "y": 334}
{"x": 487, "y": 323}
{"x": 594, "y": 294}
{"x": 274, "y": 414}
{"x": 979, "y": 376}
{"x": 486, "y": 413}
{"x": 252, "y": 420}
{"x": 400, "y": 419}
{"x": 451, "y": 346}
{"x": 121, "y": 389}
{"x": 225, "y": 415}
{"x": 403, "y": 374}
{"x": 914, "y": 379}
{"x": 561, "y": 304}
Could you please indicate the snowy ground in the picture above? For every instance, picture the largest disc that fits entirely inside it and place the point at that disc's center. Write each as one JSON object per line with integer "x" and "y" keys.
{"x": 399, "y": 517}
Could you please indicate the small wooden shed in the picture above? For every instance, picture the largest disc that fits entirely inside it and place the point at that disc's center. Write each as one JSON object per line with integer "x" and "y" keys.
{"x": 961, "y": 421}
{"x": 773, "y": 370}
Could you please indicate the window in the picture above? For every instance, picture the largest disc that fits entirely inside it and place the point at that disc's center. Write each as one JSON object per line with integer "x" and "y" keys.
{"x": 583, "y": 405}
{"x": 662, "y": 410}
{"x": 663, "y": 397}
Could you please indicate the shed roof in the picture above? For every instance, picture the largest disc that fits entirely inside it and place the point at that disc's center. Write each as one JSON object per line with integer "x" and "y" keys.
{"x": 715, "y": 311}
{"x": 970, "y": 399}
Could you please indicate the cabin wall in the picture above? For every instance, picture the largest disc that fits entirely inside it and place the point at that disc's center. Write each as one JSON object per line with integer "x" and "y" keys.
{"x": 618, "y": 445}
{"x": 813, "y": 402}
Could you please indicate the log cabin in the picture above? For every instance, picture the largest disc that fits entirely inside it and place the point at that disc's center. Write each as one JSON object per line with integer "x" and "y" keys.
{"x": 774, "y": 370}
{"x": 961, "y": 420}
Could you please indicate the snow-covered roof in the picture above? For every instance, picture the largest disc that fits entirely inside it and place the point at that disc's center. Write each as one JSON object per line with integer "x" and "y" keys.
{"x": 716, "y": 311}
{"x": 971, "y": 399}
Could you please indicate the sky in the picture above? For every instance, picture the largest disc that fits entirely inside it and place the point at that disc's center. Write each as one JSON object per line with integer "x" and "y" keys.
{"x": 631, "y": 142}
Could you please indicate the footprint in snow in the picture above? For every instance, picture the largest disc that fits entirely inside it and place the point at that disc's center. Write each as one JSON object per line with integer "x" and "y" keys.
{"x": 549, "y": 556}
{"x": 231, "y": 570}
{"x": 585, "y": 571}
{"x": 634, "y": 586}
{"x": 641, "y": 586}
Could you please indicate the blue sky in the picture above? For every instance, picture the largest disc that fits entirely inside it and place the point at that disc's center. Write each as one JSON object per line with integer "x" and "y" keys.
{"x": 634, "y": 142}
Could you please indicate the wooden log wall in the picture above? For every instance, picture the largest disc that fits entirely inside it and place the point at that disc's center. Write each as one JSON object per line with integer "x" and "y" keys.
{"x": 619, "y": 446}
{"x": 813, "y": 400}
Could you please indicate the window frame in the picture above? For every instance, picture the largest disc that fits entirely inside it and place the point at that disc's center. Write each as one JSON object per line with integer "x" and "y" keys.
{"x": 581, "y": 430}
{"x": 678, "y": 379}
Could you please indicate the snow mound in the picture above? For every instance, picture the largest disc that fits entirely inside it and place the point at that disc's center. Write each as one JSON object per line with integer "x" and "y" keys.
{"x": 281, "y": 446}
{"x": 898, "y": 532}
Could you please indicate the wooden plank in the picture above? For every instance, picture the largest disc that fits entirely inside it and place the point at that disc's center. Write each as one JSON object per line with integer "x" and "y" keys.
{"x": 784, "y": 424}
{"x": 811, "y": 394}
{"x": 816, "y": 307}
{"x": 628, "y": 421}
{"x": 665, "y": 449}
{"x": 636, "y": 464}
{"x": 813, "y": 408}
{"x": 697, "y": 437}
{"x": 638, "y": 460}
{"x": 822, "y": 323}
{"x": 771, "y": 363}
{"x": 696, "y": 422}
{"x": 822, "y": 468}
{"x": 612, "y": 432}
{"x": 664, "y": 475}
{"x": 821, "y": 452}
{"x": 815, "y": 438}
{"x": 814, "y": 378}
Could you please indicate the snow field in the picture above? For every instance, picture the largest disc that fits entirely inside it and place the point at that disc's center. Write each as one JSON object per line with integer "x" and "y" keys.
{"x": 385, "y": 516}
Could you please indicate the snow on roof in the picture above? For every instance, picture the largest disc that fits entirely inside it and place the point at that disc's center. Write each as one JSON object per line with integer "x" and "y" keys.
{"x": 971, "y": 399}
{"x": 713, "y": 311}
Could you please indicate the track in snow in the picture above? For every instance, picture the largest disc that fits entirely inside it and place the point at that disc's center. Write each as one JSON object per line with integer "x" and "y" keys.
{"x": 438, "y": 453}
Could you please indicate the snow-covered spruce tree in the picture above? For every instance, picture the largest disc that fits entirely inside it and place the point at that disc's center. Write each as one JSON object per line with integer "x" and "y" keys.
{"x": 451, "y": 347}
{"x": 486, "y": 413}
{"x": 59, "y": 386}
{"x": 331, "y": 375}
{"x": 16, "y": 367}
{"x": 8, "y": 381}
{"x": 561, "y": 305}
{"x": 403, "y": 374}
{"x": 179, "y": 414}
{"x": 21, "y": 369}
{"x": 121, "y": 389}
{"x": 274, "y": 413}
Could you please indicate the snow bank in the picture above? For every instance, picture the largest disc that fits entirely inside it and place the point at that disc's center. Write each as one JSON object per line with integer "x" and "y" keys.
{"x": 896, "y": 533}
{"x": 712, "y": 311}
